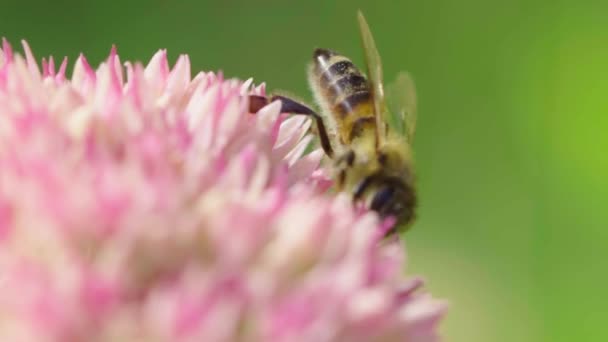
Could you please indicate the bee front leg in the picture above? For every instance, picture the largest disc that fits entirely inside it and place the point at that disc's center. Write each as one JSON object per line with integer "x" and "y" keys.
{"x": 288, "y": 105}
{"x": 342, "y": 164}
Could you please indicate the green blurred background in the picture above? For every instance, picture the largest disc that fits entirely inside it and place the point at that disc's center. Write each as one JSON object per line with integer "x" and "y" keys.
{"x": 511, "y": 143}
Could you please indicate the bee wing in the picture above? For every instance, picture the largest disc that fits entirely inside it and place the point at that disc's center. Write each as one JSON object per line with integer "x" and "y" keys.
{"x": 402, "y": 103}
{"x": 374, "y": 75}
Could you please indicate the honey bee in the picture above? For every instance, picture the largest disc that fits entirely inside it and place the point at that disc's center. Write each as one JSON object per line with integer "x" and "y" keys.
{"x": 366, "y": 132}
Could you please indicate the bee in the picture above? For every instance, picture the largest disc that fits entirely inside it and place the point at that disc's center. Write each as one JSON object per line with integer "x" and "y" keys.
{"x": 367, "y": 132}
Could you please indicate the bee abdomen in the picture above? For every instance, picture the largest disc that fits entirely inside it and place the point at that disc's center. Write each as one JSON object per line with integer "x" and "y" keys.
{"x": 343, "y": 85}
{"x": 349, "y": 103}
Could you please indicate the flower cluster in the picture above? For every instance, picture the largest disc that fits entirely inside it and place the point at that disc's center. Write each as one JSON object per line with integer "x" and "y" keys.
{"x": 140, "y": 204}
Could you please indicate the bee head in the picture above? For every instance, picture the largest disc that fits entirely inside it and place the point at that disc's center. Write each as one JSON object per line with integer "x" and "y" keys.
{"x": 389, "y": 188}
{"x": 393, "y": 197}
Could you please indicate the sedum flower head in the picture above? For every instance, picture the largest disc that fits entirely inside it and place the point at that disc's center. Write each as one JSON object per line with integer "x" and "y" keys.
{"x": 138, "y": 204}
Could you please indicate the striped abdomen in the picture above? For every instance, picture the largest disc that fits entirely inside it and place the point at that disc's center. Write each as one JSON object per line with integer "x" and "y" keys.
{"x": 344, "y": 92}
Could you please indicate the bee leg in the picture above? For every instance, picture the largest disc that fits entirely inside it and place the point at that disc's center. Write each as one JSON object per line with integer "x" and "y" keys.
{"x": 290, "y": 106}
{"x": 360, "y": 188}
{"x": 347, "y": 158}
{"x": 342, "y": 164}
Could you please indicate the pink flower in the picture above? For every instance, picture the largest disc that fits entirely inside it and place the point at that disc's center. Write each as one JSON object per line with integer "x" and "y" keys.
{"x": 138, "y": 204}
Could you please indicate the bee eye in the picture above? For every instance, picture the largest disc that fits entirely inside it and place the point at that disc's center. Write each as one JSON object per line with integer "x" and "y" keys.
{"x": 382, "y": 198}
